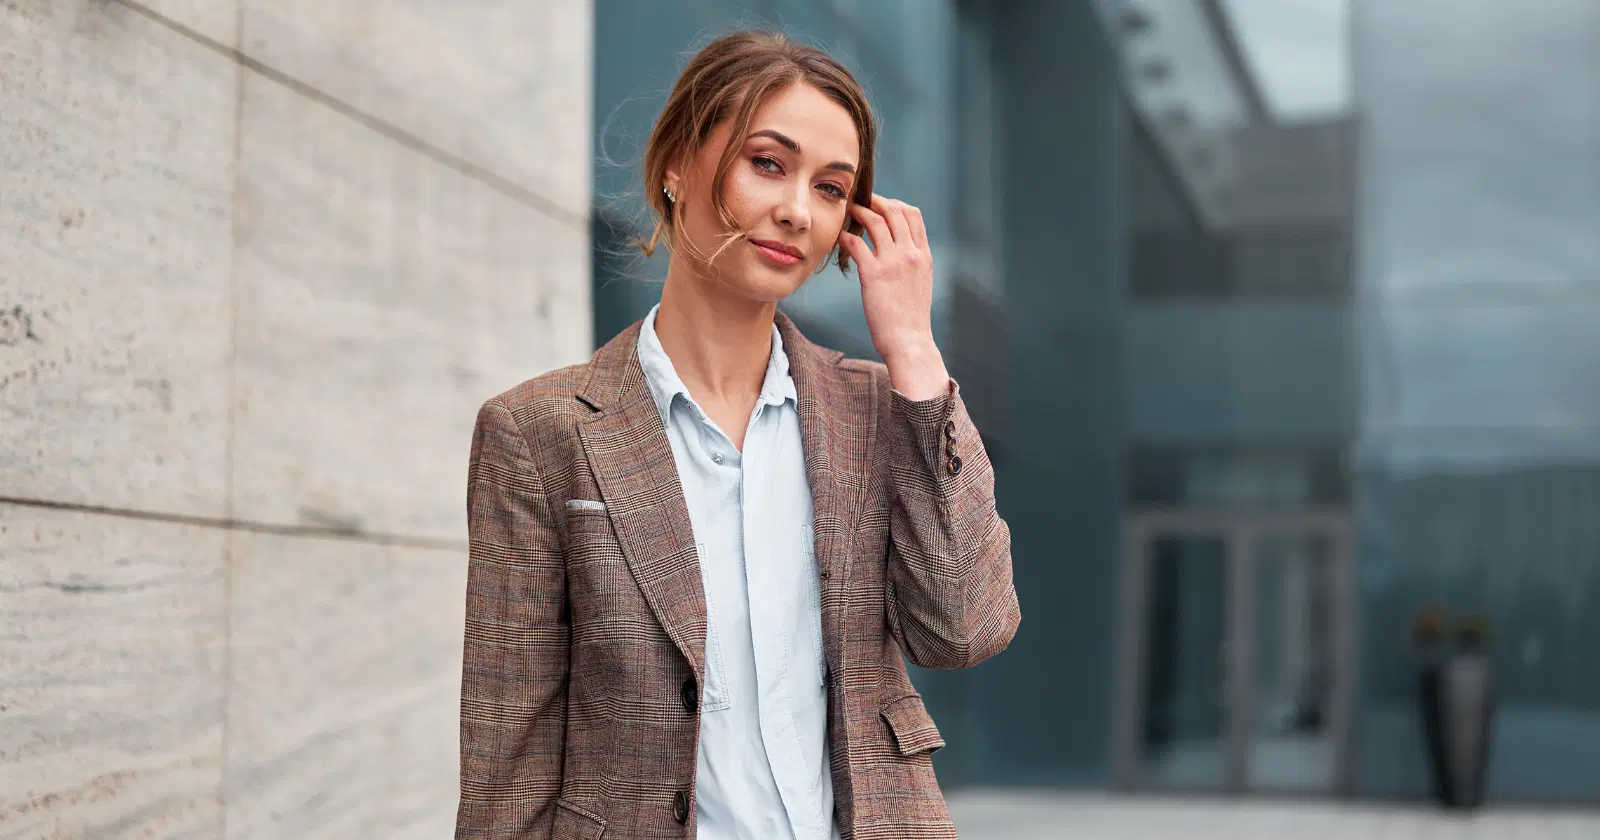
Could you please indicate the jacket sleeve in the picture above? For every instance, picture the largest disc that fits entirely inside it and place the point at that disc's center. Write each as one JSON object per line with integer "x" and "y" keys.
{"x": 951, "y": 600}
{"x": 514, "y": 666}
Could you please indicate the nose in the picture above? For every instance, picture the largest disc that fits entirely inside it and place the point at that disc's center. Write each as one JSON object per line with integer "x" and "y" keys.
{"x": 794, "y": 211}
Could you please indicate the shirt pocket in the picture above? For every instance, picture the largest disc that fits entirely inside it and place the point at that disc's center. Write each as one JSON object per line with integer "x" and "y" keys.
{"x": 716, "y": 696}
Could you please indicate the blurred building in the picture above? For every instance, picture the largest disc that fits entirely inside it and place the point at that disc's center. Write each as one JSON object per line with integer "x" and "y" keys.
{"x": 1279, "y": 320}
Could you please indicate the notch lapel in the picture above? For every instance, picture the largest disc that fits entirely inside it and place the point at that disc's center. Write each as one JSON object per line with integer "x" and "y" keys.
{"x": 838, "y": 421}
{"x": 631, "y": 458}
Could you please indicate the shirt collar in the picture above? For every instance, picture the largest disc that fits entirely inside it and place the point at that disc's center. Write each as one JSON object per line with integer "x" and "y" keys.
{"x": 666, "y": 386}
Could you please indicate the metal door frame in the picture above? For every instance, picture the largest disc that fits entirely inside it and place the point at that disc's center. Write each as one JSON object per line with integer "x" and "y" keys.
{"x": 1239, "y": 530}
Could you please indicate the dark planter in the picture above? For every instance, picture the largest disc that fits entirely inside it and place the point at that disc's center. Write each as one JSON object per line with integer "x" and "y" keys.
{"x": 1457, "y": 711}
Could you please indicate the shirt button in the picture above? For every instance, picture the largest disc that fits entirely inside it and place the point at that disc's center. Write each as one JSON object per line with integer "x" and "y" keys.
{"x": 680, "y": 806}
{"x": 717, "y": 457}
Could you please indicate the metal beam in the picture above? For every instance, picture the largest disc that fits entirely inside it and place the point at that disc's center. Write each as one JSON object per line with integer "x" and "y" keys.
{"x": 1228, "y": 40}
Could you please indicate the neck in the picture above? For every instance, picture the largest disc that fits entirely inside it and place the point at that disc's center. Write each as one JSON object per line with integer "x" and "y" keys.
{"x": 719, "y": 344}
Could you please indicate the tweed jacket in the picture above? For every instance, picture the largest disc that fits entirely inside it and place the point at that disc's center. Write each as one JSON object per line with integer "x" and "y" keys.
{"x": 586, "y": 618}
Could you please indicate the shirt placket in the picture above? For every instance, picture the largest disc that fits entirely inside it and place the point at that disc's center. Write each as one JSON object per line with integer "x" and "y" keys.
{"x": 775, "y": 657}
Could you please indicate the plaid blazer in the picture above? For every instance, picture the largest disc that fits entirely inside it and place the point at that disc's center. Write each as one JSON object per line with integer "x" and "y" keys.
{"x": 586, "y": 620}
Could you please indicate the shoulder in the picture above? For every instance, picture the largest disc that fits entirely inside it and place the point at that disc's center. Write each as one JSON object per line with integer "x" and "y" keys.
{"x": 804, "y": 351}
{"x": 544, "y": 411}
{"x": 866, "y": 369}
{"x": 866, "y": 374}
{"x": 547, "y": 396}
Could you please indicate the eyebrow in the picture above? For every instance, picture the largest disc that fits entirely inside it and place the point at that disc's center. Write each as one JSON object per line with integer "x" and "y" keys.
{"x": 787, "y": 143}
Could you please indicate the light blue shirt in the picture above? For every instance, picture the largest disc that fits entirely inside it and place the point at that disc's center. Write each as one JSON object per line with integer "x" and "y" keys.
{"x": 763, "y": 758}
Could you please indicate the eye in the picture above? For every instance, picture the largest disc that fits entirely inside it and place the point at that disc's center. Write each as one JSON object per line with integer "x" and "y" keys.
{"x": 833, "y": 190}
{"x": 766, "y": 164}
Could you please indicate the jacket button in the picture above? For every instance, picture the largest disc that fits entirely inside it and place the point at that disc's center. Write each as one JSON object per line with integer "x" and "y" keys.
{"x": 950, "y": 430}
{"x": 691, "y": 696}
{"x": 955, "y": 465}
{"x": 680, "y": 806}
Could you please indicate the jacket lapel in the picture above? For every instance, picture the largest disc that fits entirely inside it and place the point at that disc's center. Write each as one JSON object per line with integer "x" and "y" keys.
{"x": 631, "y": 458}
{"x": 838, "y": 421}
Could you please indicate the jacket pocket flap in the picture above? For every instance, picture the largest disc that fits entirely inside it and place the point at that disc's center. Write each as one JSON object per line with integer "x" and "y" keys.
{"x": 913, "y": 729}
{"x": 574, "y": 823}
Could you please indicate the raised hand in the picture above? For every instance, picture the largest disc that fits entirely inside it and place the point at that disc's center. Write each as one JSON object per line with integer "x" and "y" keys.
{"x": 896, "y": 277}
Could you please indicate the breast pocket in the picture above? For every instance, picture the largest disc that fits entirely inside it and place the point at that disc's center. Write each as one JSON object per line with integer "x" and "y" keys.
{"x": 596, "y": 571}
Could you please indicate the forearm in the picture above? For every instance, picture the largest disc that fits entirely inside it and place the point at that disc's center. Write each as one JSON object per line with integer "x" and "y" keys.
{"x": 952, "y": 602}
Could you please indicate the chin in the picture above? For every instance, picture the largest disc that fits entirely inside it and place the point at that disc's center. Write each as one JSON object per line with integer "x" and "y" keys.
{"x": 759, "y": 281}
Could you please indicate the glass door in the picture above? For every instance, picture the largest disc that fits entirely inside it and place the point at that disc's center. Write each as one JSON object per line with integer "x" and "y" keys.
{"x": 1182, "y": 733}
{"x": 1236, "y": 664}
{"x": 1294, "y": 709}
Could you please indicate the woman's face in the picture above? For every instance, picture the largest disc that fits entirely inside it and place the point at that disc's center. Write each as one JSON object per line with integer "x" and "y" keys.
{"x": 788, "y": 189}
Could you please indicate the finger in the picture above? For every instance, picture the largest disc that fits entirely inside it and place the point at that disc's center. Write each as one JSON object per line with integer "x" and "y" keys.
{"x": 875, "y": 225}
{"x": 893, "y": 212}
{"x": 919, "y": 231}
{"x": 856, "y": 247}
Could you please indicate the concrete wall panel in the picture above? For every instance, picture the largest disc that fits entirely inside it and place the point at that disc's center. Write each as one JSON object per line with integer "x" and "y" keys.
{"x": 111, "y": 673}
{"x": 345, "y": 690}
{"x": 214, "y": 19}
{"x": 504, "y": 84}
{"x": 382, "y": 298}
{"x": 116, "y": 169}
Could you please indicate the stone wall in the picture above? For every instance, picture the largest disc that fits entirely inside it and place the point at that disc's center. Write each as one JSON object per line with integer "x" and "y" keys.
{"x": 260, "y": 262}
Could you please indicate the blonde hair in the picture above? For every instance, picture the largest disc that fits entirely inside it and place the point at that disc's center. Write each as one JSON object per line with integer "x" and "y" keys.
{"x": 729, "y": 79}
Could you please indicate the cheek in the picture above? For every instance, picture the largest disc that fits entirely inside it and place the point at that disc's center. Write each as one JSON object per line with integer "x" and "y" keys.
{"x": 830, "y": 221}
{"x": 748, "y": 196}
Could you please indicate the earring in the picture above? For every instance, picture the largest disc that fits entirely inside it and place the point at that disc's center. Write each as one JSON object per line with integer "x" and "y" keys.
{"x": 668, "y": 193}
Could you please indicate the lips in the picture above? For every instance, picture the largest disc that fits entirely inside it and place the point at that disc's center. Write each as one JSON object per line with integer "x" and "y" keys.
{"x": 779, "y": 251}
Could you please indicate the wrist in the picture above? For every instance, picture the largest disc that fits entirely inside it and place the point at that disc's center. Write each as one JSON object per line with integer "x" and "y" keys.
{"x": 917, "y": 371}
{"x": 911, "y": 352}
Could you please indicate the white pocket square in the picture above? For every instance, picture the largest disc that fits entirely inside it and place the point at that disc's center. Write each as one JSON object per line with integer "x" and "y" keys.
{"x": 586, "y": 504}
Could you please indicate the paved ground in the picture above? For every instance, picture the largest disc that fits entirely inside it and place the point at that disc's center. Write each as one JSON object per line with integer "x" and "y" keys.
{"x": 996, "y": 815}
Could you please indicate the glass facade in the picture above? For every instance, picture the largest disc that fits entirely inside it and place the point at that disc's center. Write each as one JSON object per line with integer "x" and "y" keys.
{"x": 1282, "y": 325}
{"x": 1479, "y": 300}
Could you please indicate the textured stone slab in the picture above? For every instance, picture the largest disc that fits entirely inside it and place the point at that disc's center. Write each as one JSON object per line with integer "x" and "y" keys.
{"x": 111, "y": 640}
{"x": 343, "y": 705}
{"x": 428, "y": 608}
{"x": 116, "y": 167}
{"x": 382, "y": 297}
{"x": 215, "y": 19}
{"x": 505, "y": 84}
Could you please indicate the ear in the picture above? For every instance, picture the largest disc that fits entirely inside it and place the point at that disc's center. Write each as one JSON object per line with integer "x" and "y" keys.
{"x": 672, "y": 180}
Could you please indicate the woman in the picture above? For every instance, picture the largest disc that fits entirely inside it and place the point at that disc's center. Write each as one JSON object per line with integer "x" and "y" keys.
{"x": 696, "y": 559}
